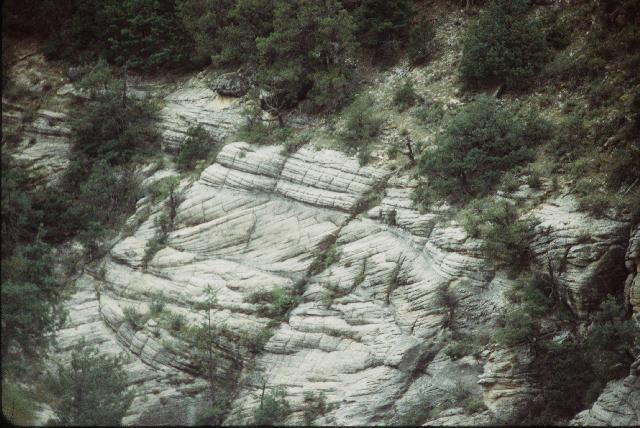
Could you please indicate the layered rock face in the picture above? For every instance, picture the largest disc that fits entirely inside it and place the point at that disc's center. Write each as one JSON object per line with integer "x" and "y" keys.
{"x": 380, "y": 287}
{"x": 370, "y": 322}
{"x": 585, "y": 255}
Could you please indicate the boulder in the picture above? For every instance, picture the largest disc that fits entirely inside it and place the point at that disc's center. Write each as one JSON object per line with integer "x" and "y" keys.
{"x": 231, "y": 84}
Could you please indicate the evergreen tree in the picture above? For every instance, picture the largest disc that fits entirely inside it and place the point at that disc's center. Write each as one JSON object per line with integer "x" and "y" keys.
{"x": 505, "y": 45}
{"x": 91, "y": 390}
{"x": 316, "y": 65}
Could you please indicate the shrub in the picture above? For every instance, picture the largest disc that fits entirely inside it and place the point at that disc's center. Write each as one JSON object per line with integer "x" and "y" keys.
{"x": 254, "y": 130}
{"x": 214, "y": 415}
{"x": 155, "y": 244}
{"x": 362, "y": 125}
{"x": 506, "y": 236}
{"x": 421, "y": 41}
{"x": 114, "y": 127}
{"x": 430, "y": 113}
{"x": 510, "y": 182}
{"x": 92, "y": 390}
{"x": 31, "y": 299}
{"x": 315, "y": 405}
{"x": 522, "y": 322}
{"x": 174, "y": 321}
{"x": 326, "y": 259}
{"x": 275, "y": 303}
{"x": 404, "y": 95}
{"x": 458, "y": 349}
{"x": 383, "y": 21}
{"x": 273, "y": 409}
{"x": 592, "y": 198}
{"x": 479, "y": 143}
{"x": 135, "y": 318}
{"x": 109, "y": 193}
{"x": 198, "y": 146}
{"x": 504, "y": 45}
{"x": 157, "y": 304}
{"x": 473, "y": 405}
{"x": 317, "y": 68}
{"x": 417, "y": 412}
{"x": 573, "y": 372}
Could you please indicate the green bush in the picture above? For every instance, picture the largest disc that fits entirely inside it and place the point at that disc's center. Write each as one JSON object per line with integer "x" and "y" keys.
{"x": 135, "y": 318}
{"x": 328, "y": 257}
{"x": 479, "y": 144}
{"x": 155, "y": 244}
{"x": 522, "y": 322}
{"x": 574, "y": 371}
{"x": 315, "y": 405}
{"x": 110, "y": 125}
{"x": 421, "y": 45}
{"x": 473, "y": 405}
{"x": 458, "y": 349}
{"x": 157, "y": 304}
{"x": 505, "y": 45}
{"x": 273, "y": 409}
{"x": 404, "y": 95}
{"x": 198, "y": 146}
{"x": 383, "y": 24}
{"x": 173, "y": 321}
{"x": 31, "y": 299}
{"x": 317, "y": 68}
{"x": 274, "y": 304}
{"x": 506, "y": 237}
{"x": 91, "y": 390}
{"x": 362, "y": 126}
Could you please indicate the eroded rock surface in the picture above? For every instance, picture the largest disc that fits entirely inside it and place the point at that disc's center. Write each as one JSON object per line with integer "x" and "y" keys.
{"x": 585, "y": 255}
{"x": 370, "y": 323}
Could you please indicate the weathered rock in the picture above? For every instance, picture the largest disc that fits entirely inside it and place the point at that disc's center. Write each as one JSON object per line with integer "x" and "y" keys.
{"x": 632, "y": 263}
{"x": 586, "y": 255}
{"x": 231, "y": 84}
{"x": 195, "y": 103}
{"x": 618, "y": 405}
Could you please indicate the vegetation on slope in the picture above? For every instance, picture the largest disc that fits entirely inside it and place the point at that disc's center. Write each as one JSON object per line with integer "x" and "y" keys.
{"x": 533, "y": 53}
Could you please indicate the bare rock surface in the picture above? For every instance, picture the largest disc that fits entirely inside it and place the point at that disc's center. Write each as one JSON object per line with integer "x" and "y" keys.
{"x": 586, "y": 255}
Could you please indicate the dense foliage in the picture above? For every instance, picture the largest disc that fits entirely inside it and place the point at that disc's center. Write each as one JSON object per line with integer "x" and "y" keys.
{"x": 504, "y": 45}
{"x": 478, "y": 145}
{"x": 91, "y": 390}
{"x": 198, "y": 146}
{"x": 362, "y": 126}
{"x": 316, "y": 66}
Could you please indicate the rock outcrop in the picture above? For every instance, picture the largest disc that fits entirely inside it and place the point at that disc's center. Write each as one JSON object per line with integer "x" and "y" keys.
{"x": 369, "y": 324}
{"x": 618, "y": 405}
{"x": 583, "y": 254}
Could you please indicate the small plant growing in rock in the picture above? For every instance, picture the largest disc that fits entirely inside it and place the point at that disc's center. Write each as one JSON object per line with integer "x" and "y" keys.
{"x": 135, "y": 318}
{"x": 273, "y": 408}
{"x": 473, "y": 405}
{"x": 359, "y": 279}
{"x": 157, "y": 304}
{"x": 174, "y": 321}
{"x": 198, "y": 146}
{"x": 446, "y": 299}
{"x": 315, "y": 405}
{"x": 506, "y": 236}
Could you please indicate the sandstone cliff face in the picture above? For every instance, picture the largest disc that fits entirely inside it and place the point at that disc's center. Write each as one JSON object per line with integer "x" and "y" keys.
{"x": 369, "y": 325}
{"x": 369, "y": 329}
